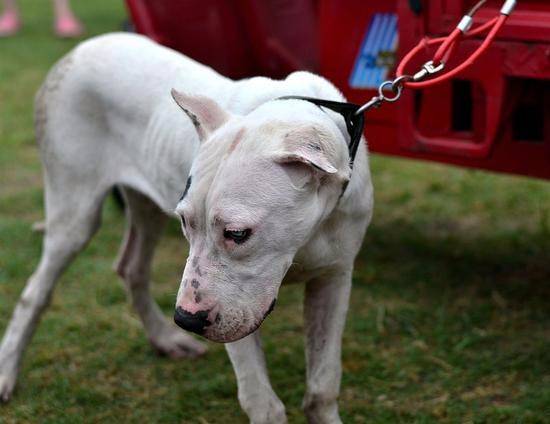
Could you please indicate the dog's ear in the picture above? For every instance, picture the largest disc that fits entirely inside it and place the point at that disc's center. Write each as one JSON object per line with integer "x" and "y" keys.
{"x": 308, "y": 145}
{"x": 205, "y": 113}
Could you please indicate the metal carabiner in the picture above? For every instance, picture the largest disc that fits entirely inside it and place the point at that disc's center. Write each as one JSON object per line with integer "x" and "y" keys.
{"x": 428, "y": 69}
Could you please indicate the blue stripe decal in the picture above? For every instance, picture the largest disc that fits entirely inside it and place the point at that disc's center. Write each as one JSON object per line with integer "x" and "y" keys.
{"x": 359, "y": 68}
{"x": 385, "y": 47}
{"x": 376, "y": 55}
{"x": 376, "y": 42}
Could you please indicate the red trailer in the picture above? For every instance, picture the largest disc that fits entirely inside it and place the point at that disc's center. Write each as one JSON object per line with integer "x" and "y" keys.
{"x": 494, "y": 115}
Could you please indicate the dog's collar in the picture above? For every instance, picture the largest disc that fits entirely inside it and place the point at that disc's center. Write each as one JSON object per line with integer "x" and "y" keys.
{"x": 354, "y": 122}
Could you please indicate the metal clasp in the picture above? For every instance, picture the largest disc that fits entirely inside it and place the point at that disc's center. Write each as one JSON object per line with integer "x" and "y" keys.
{"x": 428, "y": 69}
{"x": 429, "y": 66}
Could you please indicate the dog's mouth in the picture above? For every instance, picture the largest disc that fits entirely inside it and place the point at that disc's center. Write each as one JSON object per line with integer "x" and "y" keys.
{"x": 228, "y": 327}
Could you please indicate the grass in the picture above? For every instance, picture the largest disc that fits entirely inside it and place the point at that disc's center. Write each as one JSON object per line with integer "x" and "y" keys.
{"x": 449, "y": 320}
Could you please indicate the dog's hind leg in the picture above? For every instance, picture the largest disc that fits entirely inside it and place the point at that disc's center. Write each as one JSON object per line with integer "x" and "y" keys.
{"x": 73, "y": 216}
{"x": 145, "y": 223}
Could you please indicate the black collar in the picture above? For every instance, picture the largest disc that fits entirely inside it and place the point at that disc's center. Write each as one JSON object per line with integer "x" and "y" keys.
{"x": 354, "y": 122}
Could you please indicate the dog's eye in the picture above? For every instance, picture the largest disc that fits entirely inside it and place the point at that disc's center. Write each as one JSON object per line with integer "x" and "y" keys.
{"x": 238, "y": 236}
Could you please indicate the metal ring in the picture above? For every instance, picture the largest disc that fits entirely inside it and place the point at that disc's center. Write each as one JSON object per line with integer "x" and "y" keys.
{"x": 390, "y": 84}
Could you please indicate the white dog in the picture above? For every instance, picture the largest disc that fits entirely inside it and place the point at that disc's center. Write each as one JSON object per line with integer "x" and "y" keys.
{"x": 263, "y": 201}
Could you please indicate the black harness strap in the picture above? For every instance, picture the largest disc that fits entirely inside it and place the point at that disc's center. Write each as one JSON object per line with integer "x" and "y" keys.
{"x": 354, "y": 122}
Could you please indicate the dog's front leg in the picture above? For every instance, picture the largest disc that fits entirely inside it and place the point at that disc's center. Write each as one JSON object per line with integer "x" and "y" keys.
{"x": 256, "y": 395}
{"x": 326, "y": 305}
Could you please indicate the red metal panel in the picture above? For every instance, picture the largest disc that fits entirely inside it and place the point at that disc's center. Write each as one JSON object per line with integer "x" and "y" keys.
{"x": 239, "y": 38}
{"x": 210, "y": 31}
{"x": 283, "y": 34}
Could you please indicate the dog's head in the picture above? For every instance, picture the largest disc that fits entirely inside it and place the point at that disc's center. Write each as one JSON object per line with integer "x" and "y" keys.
{"x": 258, "y": 188}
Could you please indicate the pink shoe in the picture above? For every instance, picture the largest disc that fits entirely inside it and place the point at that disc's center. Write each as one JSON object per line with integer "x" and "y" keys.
{"x": 9, "y": 24}
{"x": 68, "y": 27}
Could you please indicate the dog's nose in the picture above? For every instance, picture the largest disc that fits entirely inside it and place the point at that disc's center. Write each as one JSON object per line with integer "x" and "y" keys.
{"x": 191, "y": 322}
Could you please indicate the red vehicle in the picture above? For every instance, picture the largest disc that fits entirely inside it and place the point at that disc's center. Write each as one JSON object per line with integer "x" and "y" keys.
{"x": 495, "y": 115}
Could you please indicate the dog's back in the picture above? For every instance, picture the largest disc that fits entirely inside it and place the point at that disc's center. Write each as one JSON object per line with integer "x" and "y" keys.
{"x": 105, "y": 111}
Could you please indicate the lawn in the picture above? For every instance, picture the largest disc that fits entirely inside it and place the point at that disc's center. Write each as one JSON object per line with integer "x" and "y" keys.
{"x": 449, "y": 321}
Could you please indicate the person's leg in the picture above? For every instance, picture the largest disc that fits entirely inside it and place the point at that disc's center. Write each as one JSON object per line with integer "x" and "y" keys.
{"x": 66, "y": 23}
{"x": 9, "y": 20}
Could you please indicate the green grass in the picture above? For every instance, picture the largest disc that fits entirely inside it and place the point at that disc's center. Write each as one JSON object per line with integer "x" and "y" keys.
{"x": 449, "y": 320}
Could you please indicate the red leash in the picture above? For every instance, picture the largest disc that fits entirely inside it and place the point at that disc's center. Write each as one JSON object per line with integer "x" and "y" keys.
{"x": 446, "y": 47}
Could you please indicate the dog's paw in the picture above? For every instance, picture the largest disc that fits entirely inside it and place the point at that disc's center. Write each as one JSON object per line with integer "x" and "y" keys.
{"x": 7, "y": 384}
{"x": 262, "y": 405}
{"x": 177, "y": 344}
{"x": 268, "y": 411}
{"x": 322, "y": 411}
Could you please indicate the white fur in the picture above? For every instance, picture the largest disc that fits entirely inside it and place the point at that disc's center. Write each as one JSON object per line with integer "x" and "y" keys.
{"x": 105, "y": 117}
